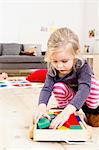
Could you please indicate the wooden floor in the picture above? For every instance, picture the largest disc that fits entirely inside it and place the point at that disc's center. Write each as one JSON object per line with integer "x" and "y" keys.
{"x": 17, "y": 107}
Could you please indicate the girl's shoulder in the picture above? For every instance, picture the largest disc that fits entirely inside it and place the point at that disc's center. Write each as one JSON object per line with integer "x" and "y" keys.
{"x": 82, "y": 63}
{"x": 52, "y": 72}
{"x": 79, "y": 63}
{"x": 84, "y": 67}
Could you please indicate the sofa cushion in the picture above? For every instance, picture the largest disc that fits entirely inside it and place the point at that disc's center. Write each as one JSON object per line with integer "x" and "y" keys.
{"x": 21, "y": 59}
{"x": 0, "y": 49}
{"x": 29, "y": 52}
{"x": 11, "y": 49}
{"x": 37, "y": 76}
{"x": 32, "y": 49}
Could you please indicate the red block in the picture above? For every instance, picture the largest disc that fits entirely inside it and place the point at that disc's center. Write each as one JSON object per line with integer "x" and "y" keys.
{"x": 67, "y": 124}
{"x": 71, "y": 121}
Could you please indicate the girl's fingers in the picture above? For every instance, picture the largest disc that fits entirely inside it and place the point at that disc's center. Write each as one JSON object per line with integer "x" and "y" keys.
{"x": 54, "y": 123}
{"x": 57, "y": 122}
{"x": 41, "y": 115}
{"x": 47, "y": 116}
{"x": 61, "y": 124}
{"x": 37, "y": 117}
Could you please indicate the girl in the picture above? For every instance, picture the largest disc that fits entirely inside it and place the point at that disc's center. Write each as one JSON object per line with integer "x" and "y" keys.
{"x": 70, "y": 78}
{"x": 3, "y": 76}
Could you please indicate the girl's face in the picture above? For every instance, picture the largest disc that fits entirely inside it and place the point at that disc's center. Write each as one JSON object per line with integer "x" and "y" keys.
{"x": 63, "y": 61}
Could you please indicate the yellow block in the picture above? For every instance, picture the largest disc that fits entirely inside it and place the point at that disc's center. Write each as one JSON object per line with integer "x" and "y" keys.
{"x": 63, "y": 128}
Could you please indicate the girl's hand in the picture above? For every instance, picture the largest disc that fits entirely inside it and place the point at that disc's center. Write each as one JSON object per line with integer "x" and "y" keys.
{"x": 62, "y": 117}
{"x": 41, "y": 112}
{"x": 59, "y": 120}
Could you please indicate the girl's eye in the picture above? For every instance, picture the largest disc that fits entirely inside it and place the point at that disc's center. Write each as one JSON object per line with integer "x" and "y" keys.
{"x": 65, "y": 61}
{"x": 55, "y": 61}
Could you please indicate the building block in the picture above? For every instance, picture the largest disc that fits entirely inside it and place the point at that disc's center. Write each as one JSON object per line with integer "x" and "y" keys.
{"x": 63, "y": 128}
{"x": 78, "y": 118}
{"x": 67, "y": 124}
{"x": 52, "y": 116}
{"x": 57, "y": 112}
{"x": 72, "y": 120}
{"x": 75, "y": 127}
{"x": 43, "y": 123}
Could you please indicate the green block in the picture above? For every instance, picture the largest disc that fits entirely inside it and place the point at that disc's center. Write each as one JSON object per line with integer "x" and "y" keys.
{"x": 52, "y": 116}
{"x": 75, "y": 127}
{"x": 43, "y": 123}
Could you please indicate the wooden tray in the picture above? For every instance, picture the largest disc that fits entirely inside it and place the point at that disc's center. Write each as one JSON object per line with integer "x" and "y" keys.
{"x": 67, "y": 135}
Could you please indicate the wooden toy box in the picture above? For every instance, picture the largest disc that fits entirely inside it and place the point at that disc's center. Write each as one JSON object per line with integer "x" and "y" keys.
{"x": 67, "y": 135}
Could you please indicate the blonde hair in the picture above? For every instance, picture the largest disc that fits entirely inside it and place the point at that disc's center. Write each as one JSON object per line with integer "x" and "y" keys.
{"x": 60, "y": 39}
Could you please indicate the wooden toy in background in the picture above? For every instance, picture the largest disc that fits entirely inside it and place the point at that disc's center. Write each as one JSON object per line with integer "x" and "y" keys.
{"x": 3, "y": 84}
{"x": 15, "y": 83}
{"x": 73, "y": 130}
{"x": 19, "y": 83}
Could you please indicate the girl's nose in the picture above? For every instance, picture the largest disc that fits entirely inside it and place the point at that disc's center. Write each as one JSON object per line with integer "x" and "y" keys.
{"x": 59, "y": 65}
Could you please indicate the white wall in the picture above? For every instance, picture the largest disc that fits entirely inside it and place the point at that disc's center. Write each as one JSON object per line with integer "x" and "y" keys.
{"x": 98, "y": 19}
{"x": 21, "y": 21}
{"x": 91, "y": 18}
{"x": 91, "y": 21}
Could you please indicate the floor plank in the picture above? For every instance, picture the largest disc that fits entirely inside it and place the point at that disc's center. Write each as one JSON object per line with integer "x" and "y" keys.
{"x": 16, "y": 110}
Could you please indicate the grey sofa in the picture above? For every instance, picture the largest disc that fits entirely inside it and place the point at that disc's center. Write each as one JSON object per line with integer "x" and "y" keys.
{"x": 13, "y": 57}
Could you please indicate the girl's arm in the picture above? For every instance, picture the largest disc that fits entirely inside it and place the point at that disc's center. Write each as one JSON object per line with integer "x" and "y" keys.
{"x": 44, "y": 98}
{"x": 84, "y": 75}
{"x": 41, "y": 111}
{"x": 46, "y": 90}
